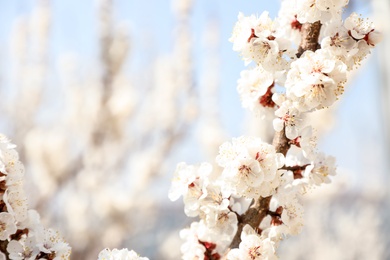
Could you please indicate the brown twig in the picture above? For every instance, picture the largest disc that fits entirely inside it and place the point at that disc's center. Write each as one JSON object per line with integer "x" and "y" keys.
{"x": 310, "y": 33}
{"x": 253, "y": 216}
{"x": 3, "y": 248}
{"x": 281, "y": 142}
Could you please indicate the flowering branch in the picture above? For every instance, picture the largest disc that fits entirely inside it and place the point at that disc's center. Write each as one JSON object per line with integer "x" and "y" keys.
{"x": 290, "y": 78}
{"x": 259, "y": 210}
{"x": 273, "y": 177}
{"x": 21, "y": 233}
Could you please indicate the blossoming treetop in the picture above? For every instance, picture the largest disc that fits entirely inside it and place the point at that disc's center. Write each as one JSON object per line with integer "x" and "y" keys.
{"x": 250, "y": 201}
{"x": 300, "y": 63}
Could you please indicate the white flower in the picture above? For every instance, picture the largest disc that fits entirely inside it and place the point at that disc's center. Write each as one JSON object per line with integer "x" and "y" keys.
{"x": 310, "y": 11}
{"x": 252, "y": 247}
{"x": 190, "y": 182}
{"x": 360, "y": 29}
{"x": 268, "y": 188}
{"x": 10, "y": 166}
{"x": 32, "y": 222}
{"x": 244, "y": 35}
{"x": 184, "y": 178}
{"x": 253, "y": 87}
{"x": 252, "y": 162}
{"x": 123, "y": 254}
{"x": 24, "y": 249}
{"x": 363, "y": 50}
{"x": 7, "y": 225}
{"x": 288, "y": 117}
{"x": 315, "y": 80}
{"x": 16, "y": 202}
{"x": 292, "y": 216}
{"x": 216, "y": 198}
{"x": 339, "y": 43}
{"x": 289, "y": 188}
{"x": 350, "y": 42}
{"x": 199, "y": 193}
{"x": 363, "y": 32}
{"x": 8, "y": 152}
{"x": 218, "y": 226}
{"x": 254, "y": 38}
{"x": 373, "y": 38}
{"x": 275, "y": 233}
{"x": 191, "y": 248}
{"x": 334, "y": 7}
{"x": 15, "y": 173}
{"x": 288, "y": 22}
{"x": 306, "y": 141}
{"x": 50, "y": 242}
{"x": 321, "y": 169}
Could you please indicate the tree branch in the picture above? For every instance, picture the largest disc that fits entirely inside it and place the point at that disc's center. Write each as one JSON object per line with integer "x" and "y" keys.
{"x": 253, "y": 216}
{"x": 259, "y": 209}
{"x": 310, "y": 33}
{"x": 281, "y": 142}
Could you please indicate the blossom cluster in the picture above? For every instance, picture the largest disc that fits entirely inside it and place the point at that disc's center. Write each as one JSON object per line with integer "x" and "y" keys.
{"x": 123, "y": 254}
{"x": 300, "y": 63}
{"x": 250, "y": 169}
{"x": 317, "y": 78}
{"x": 22, "y": 236}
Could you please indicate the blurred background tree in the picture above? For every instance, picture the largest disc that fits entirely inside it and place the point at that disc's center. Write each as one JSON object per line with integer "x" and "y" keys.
{"x": 103, "y": 98}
